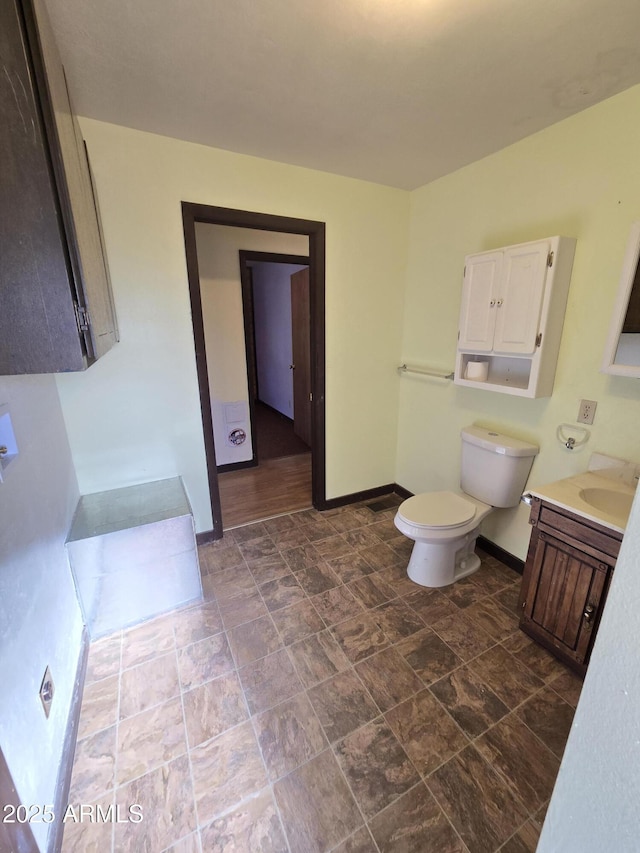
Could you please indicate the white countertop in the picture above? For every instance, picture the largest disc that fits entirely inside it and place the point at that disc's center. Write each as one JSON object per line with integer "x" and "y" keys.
{"x": 566, "y": 494}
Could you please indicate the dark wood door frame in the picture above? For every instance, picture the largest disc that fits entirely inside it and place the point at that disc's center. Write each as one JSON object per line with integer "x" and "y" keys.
{"x": 315, "y": 231}
{"x": 248, "y": 314}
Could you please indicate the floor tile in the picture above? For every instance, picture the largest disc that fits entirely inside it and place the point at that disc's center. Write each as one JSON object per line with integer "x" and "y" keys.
{"x": 426, "y": 731}
{"x": 509, "y": 597}
{"x": 289, "y": 735}
{"x": 268, "y": 568}
{"x": 217, "y": 559}
{"x": 150, "y": 739}
{"x": 525, "y": 839}
{"x": 398, "y": 579}
{"x": 359, "y": 637}
{"x": 282, "y": 592}
{"x": 360, "y": 842}
{"x": 166, "y": 800}
{"x": 269, "y": 681}
{"x": 104, "y": 658}
{"x": 226, "y": 771}
{"x": 88, "y": 836}
{"x": 509, "y": 679}
{"x": 252, "y": 826}
{"x": 493, "y": 618}
{"x": 230, "y": 583}
{"x": 388, "y": 678}
{"x": 549, "y": 717}
{"x": 99, "y": 706}
{"x": 318, "y": 529}
{"x": 431, "y": 605}
{"x": 197, "y": 623}
{"x": 333, "y": 547}
{"x": 470, "y": 702}
{"x": 397, "y": 619}
{"x": 377, "y": 768}
{"x": 297, "y": 622}
{"x": 428, "y": 655}
{"x": 465, "y": 592}
{"x": 350, "y": 519}
{"x": 302, "y": 557}
{"x": 204, "y": 660}
{"x": 94, "y": 766}
{"x": 381, "y": 556}
{"x": 317, "y": 579}
{"x": 317, "y": 809}
{"x": 337, "y": 605}
{"x": 245, "y": 607}
{"x": 480, "y": 806}
{"x": 254, "y": 640}
{"x": 317, "y": 658}
{"x": 541, "y": 662}
{"x": 148, "y": 684}
{"x": 342, "y": 704}
{"x": 147, "y": 641}
{"x": 361, "y": 538}
{"x": 463, "y": 635}
{"x": 415, "y": 824}
{"x": 249, "y": 532}
{"x": 257, "y": 548}
{"x": 351, "y": 567}
{"x": 371, "y": 591}
{"x": 525, "y": 765}
{"x": 569, "y": 686}
{"x": 212, "y": 708}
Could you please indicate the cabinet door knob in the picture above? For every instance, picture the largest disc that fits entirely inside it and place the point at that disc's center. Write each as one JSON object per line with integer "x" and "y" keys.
{"x": 492, "y": 303}
{"x": 499, "y": 302}
{"x": 589, "y": 613}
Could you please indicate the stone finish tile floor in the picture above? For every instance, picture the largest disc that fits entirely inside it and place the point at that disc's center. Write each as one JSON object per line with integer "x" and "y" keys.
{"x": 318, "y": 700}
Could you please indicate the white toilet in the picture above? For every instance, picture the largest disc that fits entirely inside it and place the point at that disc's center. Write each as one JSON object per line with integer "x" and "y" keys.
{"x": 445, "y": 525}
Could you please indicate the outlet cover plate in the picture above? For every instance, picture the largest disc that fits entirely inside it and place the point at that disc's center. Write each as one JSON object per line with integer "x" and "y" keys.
{"x": 587, "y": 411}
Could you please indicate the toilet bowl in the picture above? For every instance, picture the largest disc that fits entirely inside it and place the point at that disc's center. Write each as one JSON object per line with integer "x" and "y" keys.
{"x": 445, "y": 525}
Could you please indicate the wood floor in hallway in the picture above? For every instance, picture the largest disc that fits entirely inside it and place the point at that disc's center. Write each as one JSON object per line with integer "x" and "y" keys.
{"x": 273, "y": 487}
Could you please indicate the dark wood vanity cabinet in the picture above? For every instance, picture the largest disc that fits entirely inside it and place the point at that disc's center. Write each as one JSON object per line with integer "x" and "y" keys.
{"x": 565, "y": 581}
{"x": 56, "y": 310}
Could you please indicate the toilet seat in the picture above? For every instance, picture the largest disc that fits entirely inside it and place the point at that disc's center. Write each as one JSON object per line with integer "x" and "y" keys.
{"x": 439, "y": 510}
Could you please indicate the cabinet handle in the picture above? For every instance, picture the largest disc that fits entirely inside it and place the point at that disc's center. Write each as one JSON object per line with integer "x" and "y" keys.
{"x": 492, "y": 303}
{"x": 589, "y": 613}
{"x": 499, "y": 302}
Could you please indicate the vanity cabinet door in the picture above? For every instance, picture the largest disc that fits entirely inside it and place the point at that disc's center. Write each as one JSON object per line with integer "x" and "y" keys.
{"x": 563, "y": 592}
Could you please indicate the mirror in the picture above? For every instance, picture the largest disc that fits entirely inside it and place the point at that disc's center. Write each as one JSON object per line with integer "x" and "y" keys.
{"x": 622, "y": 351}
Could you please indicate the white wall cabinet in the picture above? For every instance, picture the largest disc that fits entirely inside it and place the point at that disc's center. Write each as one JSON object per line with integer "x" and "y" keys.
{"x": 511, "y": 315}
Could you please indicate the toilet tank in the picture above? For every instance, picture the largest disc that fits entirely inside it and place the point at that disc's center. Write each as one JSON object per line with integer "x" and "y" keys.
{"x": 495, "y": 467}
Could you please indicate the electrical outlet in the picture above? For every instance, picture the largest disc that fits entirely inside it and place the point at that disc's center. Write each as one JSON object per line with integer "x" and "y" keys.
{"x": 47, "y": 689}
{"x": 587, "y": 411}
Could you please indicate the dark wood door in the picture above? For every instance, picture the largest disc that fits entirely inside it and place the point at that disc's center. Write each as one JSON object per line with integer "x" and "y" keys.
{"x": 562, "y": 595}
{"x": 301, "y": 347}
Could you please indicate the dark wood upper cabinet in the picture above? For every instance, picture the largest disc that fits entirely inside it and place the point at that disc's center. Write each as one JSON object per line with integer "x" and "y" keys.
{"x": 56, "y": 308}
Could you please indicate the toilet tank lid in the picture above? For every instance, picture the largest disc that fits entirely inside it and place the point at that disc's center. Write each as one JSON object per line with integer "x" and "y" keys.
{"x": 497, "y": 442}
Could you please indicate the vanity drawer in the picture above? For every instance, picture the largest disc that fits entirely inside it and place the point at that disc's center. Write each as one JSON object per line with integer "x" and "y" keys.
{"x": 589, "y": 536}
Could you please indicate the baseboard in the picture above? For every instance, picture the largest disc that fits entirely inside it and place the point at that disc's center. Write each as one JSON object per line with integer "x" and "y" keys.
{"x": 499, "y": 553}
{"x": 236, "y": 466}
{"x": 356, "y": 497}
{"x": 63, "y": 783}
{"x": 207, "y": 536}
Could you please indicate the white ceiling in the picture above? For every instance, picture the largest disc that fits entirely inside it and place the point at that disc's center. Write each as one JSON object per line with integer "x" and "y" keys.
{"x": 393, "y": 91}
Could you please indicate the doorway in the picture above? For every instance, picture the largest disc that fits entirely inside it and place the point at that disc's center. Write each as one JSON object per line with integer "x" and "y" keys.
{"x": 315, "y": 232}
{"x": 277, "y": 326}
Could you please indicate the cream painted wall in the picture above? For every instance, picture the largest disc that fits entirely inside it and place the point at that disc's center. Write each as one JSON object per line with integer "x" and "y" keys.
{"x": 222, "y": 314}
{"x": 579, "y": 178}
{"x": 134, "y": 416}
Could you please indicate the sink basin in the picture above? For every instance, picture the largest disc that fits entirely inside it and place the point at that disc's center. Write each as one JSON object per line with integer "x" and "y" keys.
{"x": 609, "y": 501}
